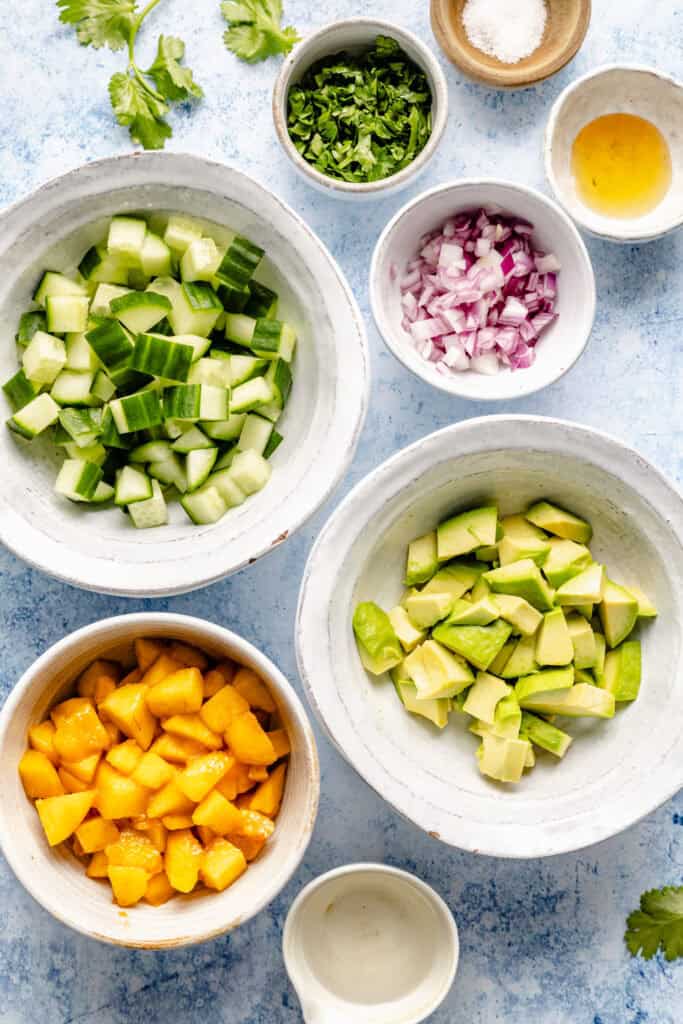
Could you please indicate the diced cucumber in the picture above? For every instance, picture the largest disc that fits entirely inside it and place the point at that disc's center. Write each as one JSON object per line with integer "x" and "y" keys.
{"x": 103, "y": 492}
{"x": 110, "y": 436}
{"x": 273, "y": 339}
{"x": 151, "y": 451}
{"x": 255, "y": 434}
{"x": 126, "y": 381}
{"x": 137, "y": 411}
{"x": 250, "y": 472}
{"x": 251, "y": 395}
{"x": 239, "y": 262}
{"x": 111, "y": 343}
{"x": 200, "y": 260}
{"x": 234, "y": 299}
{"x": 52, "y": 284}
{"x": 43, "y": 358}
{"x": 30, "y": 322}
{"x": 132, "y": 485}
{"x": 152, "y": 512}
{"x": 225, "y": 430}
{"x": 243, "y": 368}
{"x": 170, "y": 470}
{"x": 279, "y": 376}
{"x": 72, "y": 388}
{"x": 66, "y": 313}
{"x": 19, "y": 390}
{"x": 164, "y": 285}
{"x": 80, "y": 356}
{"x": 230, "y": 492}
{"x": 155, "y": 256}
{"x": 274, "y": 442}
{"x": 226, "y": 459}
{"x": 82, "y": 426}
{"x": 262, "y": 302}
{"x": 181, "y": 231}
{"x": 239, "y": 328}
{"x": 140, "y": 311}
{"x": 96, "y": 452}
{"x": 103, "y": 297}
{"x": 198, "y": 344}
{"x": 196, "y": 308}
{"x": 204, "y": 506}
{"x": 78, "y": 479}
{"x": 271, "y": 412}
{"x": 192, "y": 440}
{"x": 35, "y": 417}
{"x": 162, "y": 357}
{"x": 216, "y": 372}
{"x": 126, "y": 238}
{"x": 101, "y": 267}
{"x": 197, "y": 402}
{"x": 174, "y": 429}
{"x": 102, "y": 387}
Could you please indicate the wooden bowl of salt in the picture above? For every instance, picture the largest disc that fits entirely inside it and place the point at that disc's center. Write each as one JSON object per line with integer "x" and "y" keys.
{"x": 510, "y": 44}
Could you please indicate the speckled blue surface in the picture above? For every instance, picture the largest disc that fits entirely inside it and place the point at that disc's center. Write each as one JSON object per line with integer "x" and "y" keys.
{"x": 541, "y": 941}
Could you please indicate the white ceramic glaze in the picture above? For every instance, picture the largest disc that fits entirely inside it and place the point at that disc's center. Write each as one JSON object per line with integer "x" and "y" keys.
{"x": 369, "y": 944}
{"x": 616, "y": 771}
{"x": 58, "y": 881}
{"x": 617, "y": 89}
{"x": 356, "y": 35}
{"x": 101, "y": 550}
{"x": 559, "y": 347}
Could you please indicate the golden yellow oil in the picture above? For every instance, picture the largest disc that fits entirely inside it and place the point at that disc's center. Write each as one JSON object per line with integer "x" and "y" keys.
{"x": 622, "y": 165}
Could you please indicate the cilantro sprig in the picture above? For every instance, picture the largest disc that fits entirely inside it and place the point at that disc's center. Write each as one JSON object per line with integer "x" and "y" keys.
{"x": 255, "y": 31}
{"x": 657, "y": 925}
{"x": 140, "y": 98}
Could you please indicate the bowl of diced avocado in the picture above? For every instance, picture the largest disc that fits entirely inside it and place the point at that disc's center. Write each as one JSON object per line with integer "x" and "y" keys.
{"x": 173, "y": 338}
{"x": 490, "y": 628}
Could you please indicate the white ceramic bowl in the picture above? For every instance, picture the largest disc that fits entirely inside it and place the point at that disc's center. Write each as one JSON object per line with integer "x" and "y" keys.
{"x": 57, "y": 880}
{"x": 617, "y": 89}
{"x": 559, "y": 347}
{"x": 321, "y": 425}
{"x": 356, "y": 35}
{"x": 616, "y": 771}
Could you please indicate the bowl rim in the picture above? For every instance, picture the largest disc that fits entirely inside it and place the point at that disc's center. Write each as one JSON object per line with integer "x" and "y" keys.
{"x": 451, "y": 385}
{"x": 155, "y": 163}
{"x": 634, "y": 235}
{"x": 437, "y": 84}
{"x": 312, "y": 658}
{"x": 96, "y": 632}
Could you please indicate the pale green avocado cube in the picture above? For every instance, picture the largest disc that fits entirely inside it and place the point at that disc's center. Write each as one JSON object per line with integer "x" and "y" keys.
{"x": 544, "y": 735}
{"x": 507, "y": 720}
{"x": 411, "y": 592}
{"x": 378, "y": 646}
{"x": 618, "y": 612}
{"x": 519, "y": 528}
{"x": 409, "y": 635}
{"x": 554, "y": 643}
{"x": 584, "y": 675}
{"x": 548, "y": 680}
{"x": 565, "y": 559}
{"x": 583, "y": 639}
{"x": 467, "y": 532}
{"x": 487, "y": 554}
{"x": 425, "y": 610}
{"x": 479, "y": 644}
{"x": 584, "y": 609}
{"x": 600, "y": 655}
{"x": 622, "y": 673}
{"x": 646, "y": 608}
{"x": 579, "y": 701}
{"x": 503, "y": 759}
{"x": 448, "y": 673}
{"x": 522, "y": 579}
{"x": 422, "y": 562}
{"x": 454, "y": 579}
{"x": 484, "y": 696}
{"x": 474, "y": 613}
{"x": 523, "y": 616}
{"x": 586, "y": 588}
{"x": 435, "y": 711}
{"x": 501, "y": 659}
{"x": 513, "y": 549}
{"x": 480, "y": 590}
{"x": 522, "y": 661}
{"x": 560, "y": 522}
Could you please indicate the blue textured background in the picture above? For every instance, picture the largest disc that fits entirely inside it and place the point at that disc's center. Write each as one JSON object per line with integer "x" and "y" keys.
{"x": 541, "y": 941}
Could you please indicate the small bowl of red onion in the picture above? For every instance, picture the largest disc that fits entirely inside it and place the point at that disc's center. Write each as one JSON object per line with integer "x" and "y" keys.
{"x": 484, "y": 289}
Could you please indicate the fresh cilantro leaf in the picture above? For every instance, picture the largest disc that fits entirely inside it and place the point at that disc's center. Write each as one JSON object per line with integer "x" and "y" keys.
{"x": 658, "y": 924}
{"x": 139, "y": 110}
{"x": 100, "y": 22}
{"x": 254, "y": 31}
{"x": 174, "y": 82}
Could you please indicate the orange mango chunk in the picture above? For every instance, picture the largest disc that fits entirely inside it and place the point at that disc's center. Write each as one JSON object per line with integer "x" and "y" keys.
{"x": 117, "y": 796}
{"x": 182, "y": 860}
{"x": 254, "y": 825}
{"x": 159, "y": 890}
{"x": 268, "y": 796}
{"x": 258, "y": 773}
{"x": 96, "y": 833}
{"x": 213, "y": 681}
{"x": 227, "y": 669}
{"x": 153, "y": 828}
{"x": 202, "y": 774}
{"x": 126, "y": 707}
{"x": 100, "y": 669}
{"x": 134, "y": 676}
{"x": 280, "y": 741}
{"x": 219, "y": 710}
{"x": 164, "y": 666}
{"x": 173, "y": 822}
{"x": 147, "y": 652}
{"x": 188, "y": 655}
{"x": 85, "y": 769}
{"x": 38, "y": 775}
{"x": 67, "y": 708}
{"x": 125, "y": 756}
{"x": 129, "y": 885}
{"x": 60, "y": 816}
{"x": 113, "y": 732}
{"x": 177, "y": 749}
{"x": 235, "y": 781}
{"x": 248, "y": 741}
{"x": 254, "y": 690}
{"x": 134, "y": 850}
{"x": 181, "y": 693}
{"x": 249, "y": 846}
{"x": 169, "y": 800}
{"x": 218, "y": 814}
{"x": 152, "y": 771}
{"x": 192, "y": 728}
{"x": 222, "y": 864}
{"x": 98, "y": 866}
{"x": 41, "y": 738}
{"x": 206, "y": 835}
{"x": 80, "y": 734}
{"x": 71, "y": 783}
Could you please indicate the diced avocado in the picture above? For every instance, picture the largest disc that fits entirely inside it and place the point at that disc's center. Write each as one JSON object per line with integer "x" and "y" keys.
{"x": 411, "y": 592}
{"x": 586, "y": 588}
{"x": 479, "y": 644}
{"x": 566, "y": 559}
{"x": 404, "y": 629}
{"x": 483, "y": 697}
{"x": 521, "y": 579}
{"x": 454, "y": 579}
{"x": 522, "y": 615}
{"x": 584, "y": 675}
{"x": 560, "y": 522}
{"x": 646, "y": 608}
{"x": 549, "y": 680}
{"x": 583, "y": 639}
{"x": 507, "y": 720}
{"x": 487, "y": 554}
{"x": 513, "y": 549}
{"x": 503, "y": 759}
{"x": 435, "y": 711}
{"x": 554, "y": 644}
{"x": 422, "y": 561}
{"x": 600, "y": 654}
{"x": 544, "y": 735}
{"x": 378, "y": 646}
{"x": 618, "y": 613}
{"x": 449, "y": 674}
{"x": 473, "y": 613}
{"x": 480, "y": 590}
{"x": 522, "y": 661}
{"x": 501, "y": 659}
{"x": 623, "y": 671}
{"x": 579, "y": 701}
{"x": 425, "y": 610}
{"x": 584, "y": 609}
{"x": 519, "y": 528}
{"x": 467, "y": 532}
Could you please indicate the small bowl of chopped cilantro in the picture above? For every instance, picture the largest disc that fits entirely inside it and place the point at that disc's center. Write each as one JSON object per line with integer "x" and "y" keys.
{"x": 360, "y": 107}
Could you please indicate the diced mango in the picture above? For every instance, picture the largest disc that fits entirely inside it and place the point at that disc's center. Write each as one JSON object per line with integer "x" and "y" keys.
{"x": 134, "y": 676}
{"x": 182, "y": 860}
{"x": 60, "y": 816}
{"x": 218, "y": 814}
{"x": 125, "y": 756}
{"x": 213, "y": 682}
{"x": 80, "y": 734}
{"x": 202, "y": 774}
{"x": 254, "y": 825}
{"x": 192, "y": 728}
{"x": 103, "y": 687}
{"x": 188, "y": 655}
{"x": 38, "y": 775}
{"x": 73, "y": 706}
{"x": 257, "y": 773}
{"x": 85, "y": 769}
{"x": 96, "y": 833}
{"x": 268, "y": 797}
{"x": 249, "y": 846}
{"x": 254, "y": 690}
{"x": 206, "y": 835}
{"x": 127, "y": 708}
{"x": 180, "y": 693}
{"x": 280, "y": 741}
{"x": 117, "y": 796}
{"x": 153, "y": 828}
{"x": 169, "y": 800}
{"x": 41, "y": 738}
{"x": 235, "y": 781}
{"x": 227, "y": 669}
{"x": 113, "y": 732}
{"x": 98, "y": 866}
{"x": 173, "y": 822}
{"x": 164, "y": 666}
{"x": 176, "y": 749}
{"x": 159, "y": 890}
{"x": 128, "y": 885}
{"x": 100, "y": 669}
{"x": 71, "y": 783}
{"x": 219, "y": 710}
{"x": 152, "y": 771}
{"x": 134, "y": 849}
{"x": 222, "y": 864}
{"x": 147, "y": 652}
{"x": 248, "y": 741}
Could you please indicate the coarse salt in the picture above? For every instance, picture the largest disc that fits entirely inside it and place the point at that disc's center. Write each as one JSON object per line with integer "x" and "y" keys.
{"x": 504, "y": 30}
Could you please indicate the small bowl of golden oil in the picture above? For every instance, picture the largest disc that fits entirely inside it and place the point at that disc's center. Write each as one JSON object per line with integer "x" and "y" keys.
{"x": 614, "y": 152}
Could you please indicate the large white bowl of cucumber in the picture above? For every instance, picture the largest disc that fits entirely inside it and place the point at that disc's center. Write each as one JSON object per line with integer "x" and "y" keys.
{"x": 490, "y": 628}
{"x": 174, "y": 397}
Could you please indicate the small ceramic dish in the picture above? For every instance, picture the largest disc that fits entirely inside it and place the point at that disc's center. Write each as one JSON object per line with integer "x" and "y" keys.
{"x": 356, "y": 35}
{"x": 617, "y": 89}
{"x": 57, "y": 880}
{"x": 560, "y": 345}
{"x": 616, "y": 772}
{"x": 566, "y": 26}
{"x": 370, "y": 944}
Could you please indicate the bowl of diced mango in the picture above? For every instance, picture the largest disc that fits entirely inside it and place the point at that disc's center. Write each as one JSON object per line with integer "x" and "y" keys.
{"x": 160, "y": 780}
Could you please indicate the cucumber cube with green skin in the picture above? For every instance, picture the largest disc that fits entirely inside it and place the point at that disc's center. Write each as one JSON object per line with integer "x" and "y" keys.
{"x": 105, "y": 294}
{"x": 216, "y": 372}
{"x": 231, "y": 494}
{"x": 544, "y": 681}
{"x": 565, "y": 560}
{"x": 43, "y": 358}
{"x": 140, "y": 311}
{"x": 200, "y": 260}
{"x": 273, "y": 339}
{"x": 425, "y": 610}
{"x": 518, "y": 612}
{"x": 560, "y": 522}
{"x": 579, "y": 701}
{"x": 132, "y": 485}
{"x": 378, "y": 646}
{"x": 250, "y": 471}
{"x": 126, "y": 238}
{"x": 251, "y": 395}
{"x": 255, "y": 435}
{"x": 225, "y": 430}
{"x": 161, "y": 357}
{"x": 204, "y": 506}
{"x": 67, "y": 313}
{"x": 544, "y": 735}
{"x": 583, "y": 640}
{"x": 484, "y": 695}
{"x": 19, "y": 390}
{"x": 274, "y": 442}
{"x": 96, "y": 452}
{"x": 554, "y": 643}
{"x": 422, "y": 561}
{"x": 646, "y": 608}
{"x": 198, "y": 465}
{"x": 279, "y": 376}
{"x": 586, "y": 588}
{"x": 467, "y": 532}
{"x": 137, "y": 411}
{"x": 72, "y": 388}
{"x": 82, "y": 426}
{"x": 80, "y": 356}
{"x": 503, "y": 759}
{"x": 77, "y": 480}
{"x": 233, "y": 298}
{"x": 52, "y": 283}
{"x": 239, "y": 262}
{"x": 435, "y": 710}
{"x": 519, "y": 528}
{"x": 30, "y": 322}
{"x": 409, "y": 635}
{"x": 473, "y": 613}
{"x": 181, "y": 231}
{"x": 498, "y": 664}
{"x": 513, "y": 549}
{"x": 243, "y": 368}
{"x": 99, "y": 266}
{"x": 522, "y": 579}
{"x": 478, "y": 644}
{"x": 195, "y": 309}
{"x": 618, "y": 612}
{"x": 262, "y": 301}
{"x": 155, "y": 256}
{"x": 35, "y": 417}
{"x": 623, "y": 669}
{"x": 442, "y": 674}
{"x": 150, "y": 513}
{"x": 522, "y": 660}
{"x": 192, "y": 440}
{"x": 171, "y": 471}
{"x": 455, "y": 579}
{"x": 111, "y": 343}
